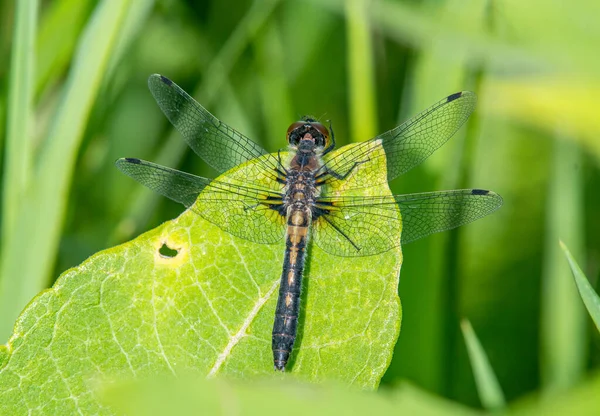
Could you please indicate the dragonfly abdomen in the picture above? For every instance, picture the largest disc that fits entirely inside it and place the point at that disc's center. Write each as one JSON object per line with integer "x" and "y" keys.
{"x": 288, "y": 303}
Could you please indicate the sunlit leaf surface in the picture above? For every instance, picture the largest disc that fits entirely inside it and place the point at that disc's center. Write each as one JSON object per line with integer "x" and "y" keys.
{"x": 135, "y": 311}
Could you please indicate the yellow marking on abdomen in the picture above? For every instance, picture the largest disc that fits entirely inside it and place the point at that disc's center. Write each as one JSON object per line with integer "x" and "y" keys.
{"x": 293, "y": 255}
{"x": 291, "y": 277}
{"x": 296, "y": 233}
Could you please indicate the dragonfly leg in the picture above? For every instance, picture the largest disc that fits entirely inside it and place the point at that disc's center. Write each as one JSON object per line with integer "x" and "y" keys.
{"x": 332, "y": 145}
{"x": 276, "y": 204}
{"x": 321, "y": 178}
{"x": 335, "y": 227}
{"x": 281, "y": 171}
{"x": 249, "y": 207}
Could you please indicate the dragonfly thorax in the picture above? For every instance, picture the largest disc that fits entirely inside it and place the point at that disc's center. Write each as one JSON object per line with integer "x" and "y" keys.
{"x": 300, "y": 190}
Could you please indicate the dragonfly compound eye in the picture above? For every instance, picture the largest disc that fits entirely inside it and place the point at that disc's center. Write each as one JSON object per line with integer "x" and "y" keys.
{"x": 321, "y": 135}
{"x": 293, "y": 132}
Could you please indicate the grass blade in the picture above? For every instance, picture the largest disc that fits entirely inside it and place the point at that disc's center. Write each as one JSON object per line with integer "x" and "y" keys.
{"x": 28, "y": 258}
{"x": 136, "y": 17}
{"x": 563, "y": 330}
{"x": 276, "y": 99}
{"x": 245, "y": 31}
{"x": 56, "y": 40}
{"x": 490, "y": 392}
{"x": 588, "y": 295}
{"x": 19, "y": 147}
{"x": 361, "y": 72}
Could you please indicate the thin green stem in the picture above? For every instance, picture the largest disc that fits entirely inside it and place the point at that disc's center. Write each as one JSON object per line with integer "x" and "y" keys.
{"x": 490, "y": 392}
{"x": 361, "y": 74}
{"x": 563, "y": 334}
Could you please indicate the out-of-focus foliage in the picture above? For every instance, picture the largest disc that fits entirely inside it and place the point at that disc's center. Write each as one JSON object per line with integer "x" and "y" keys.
{"x": 490, "y": 392}
{"x": 365, "y": 65}
{"x": 188, "y": 396}
{"x": 590, "y": 299}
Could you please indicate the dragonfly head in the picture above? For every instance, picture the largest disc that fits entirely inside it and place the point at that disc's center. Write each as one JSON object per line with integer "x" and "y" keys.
{"x": 308, "y": 133}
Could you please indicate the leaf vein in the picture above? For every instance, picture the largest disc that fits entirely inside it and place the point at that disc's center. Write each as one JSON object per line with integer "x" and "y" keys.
{"x": 233, "y": 341}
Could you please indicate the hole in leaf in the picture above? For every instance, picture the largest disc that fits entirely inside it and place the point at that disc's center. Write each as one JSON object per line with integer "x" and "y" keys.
{"x": 167, "y": 252}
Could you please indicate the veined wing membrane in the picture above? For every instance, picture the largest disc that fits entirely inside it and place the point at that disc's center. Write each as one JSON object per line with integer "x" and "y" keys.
{"x": 366, "y": 225}
{"x": 179, "y": 186}
{"x": 357, "y": 225}
{"x": 431, "y": 212}
{"x": 241, "y": 209}
{"x": 413, "y": 141}
{"x": 218, "y": 144}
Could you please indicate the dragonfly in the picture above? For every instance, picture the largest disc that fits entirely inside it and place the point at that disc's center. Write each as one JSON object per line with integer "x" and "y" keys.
{"x": 307, "y": 192}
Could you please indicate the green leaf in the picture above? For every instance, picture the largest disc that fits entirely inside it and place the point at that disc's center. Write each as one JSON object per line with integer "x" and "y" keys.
{"x": 588, "y": 295}
{"x": 133, "y": 312}
{"x": 160, "y": 397}
{"x": 490, "y": 392}
{"x": 3, "y": 355}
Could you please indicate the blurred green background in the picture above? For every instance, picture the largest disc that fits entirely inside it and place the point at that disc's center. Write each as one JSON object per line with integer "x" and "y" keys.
{"x": 73, "y": 98}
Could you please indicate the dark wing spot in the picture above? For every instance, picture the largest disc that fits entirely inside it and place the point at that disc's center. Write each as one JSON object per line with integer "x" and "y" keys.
{"x": 133, "y": 160}
{"x": 166, "y": 80}
{"x": 480, "y": 192}
{"x": 454, "y": 96}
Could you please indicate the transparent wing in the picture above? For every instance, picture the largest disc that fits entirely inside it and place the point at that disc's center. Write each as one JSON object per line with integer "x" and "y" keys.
{"x": 432, "y": 212}
{"x": 215, "y": 142}
{"x": 179, "y": 186}
{"x": 357, "y": 225}
{"x": 367, "y": 225}
{"x": 413, "y": 141}
{"x": 241, "y": 209}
